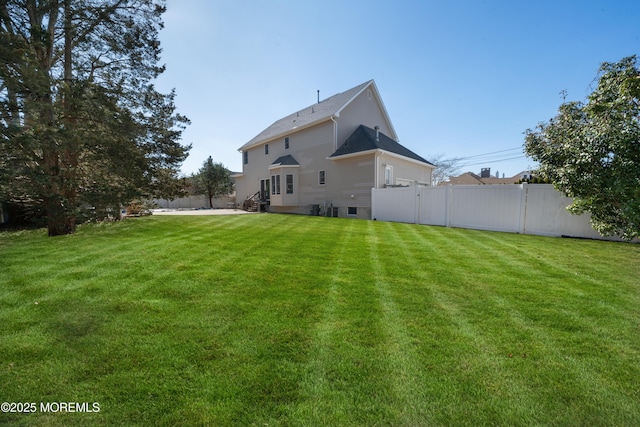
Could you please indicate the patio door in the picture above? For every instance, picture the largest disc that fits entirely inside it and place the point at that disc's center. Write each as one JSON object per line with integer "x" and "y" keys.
{"x": 265, "y": 189}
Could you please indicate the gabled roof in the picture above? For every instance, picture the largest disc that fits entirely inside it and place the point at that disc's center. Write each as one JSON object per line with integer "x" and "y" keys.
{"x": 315, "y": 113}
{"x": 364, "y": 139}
{"x": 287, "y": 160}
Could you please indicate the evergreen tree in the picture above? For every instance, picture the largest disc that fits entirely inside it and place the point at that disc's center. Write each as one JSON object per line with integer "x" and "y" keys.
{"x": 80, "y": 120}
{"x": 213, "y": 180}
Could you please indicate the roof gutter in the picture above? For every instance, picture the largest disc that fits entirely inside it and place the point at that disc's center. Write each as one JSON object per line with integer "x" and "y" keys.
{"x": 385, "y": 152}
{"x": 283, "y": 134}
{"x": 280, "y": 165}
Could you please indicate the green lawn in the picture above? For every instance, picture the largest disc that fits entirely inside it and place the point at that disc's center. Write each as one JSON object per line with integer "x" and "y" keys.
{"x": 290, "y": 320}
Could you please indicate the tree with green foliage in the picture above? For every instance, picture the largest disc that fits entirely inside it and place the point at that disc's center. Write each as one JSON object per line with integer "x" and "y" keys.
{"x": 212, "y": 180}
{"x": 80, "y": 120}
{"x": 591, "y": 151}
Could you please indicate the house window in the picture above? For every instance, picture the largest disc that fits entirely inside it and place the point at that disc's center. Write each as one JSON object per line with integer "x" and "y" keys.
{"x": 388, "y": 175}
{"x": 286, "y": 143}
{"x": 264, "y": 189}
{"x": 352, "y": 211}
{"x": 289, "y": 184}
{"x": 245, "y": 157}
{"x": 275, "y": 184}
{"x": 266, "y": 149}
{"x": 322, "y": 177}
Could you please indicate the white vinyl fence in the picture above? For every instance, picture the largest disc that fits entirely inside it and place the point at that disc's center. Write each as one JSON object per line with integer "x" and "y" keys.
{"x": 196, "y": 202}
{"x": 518, "y": 208}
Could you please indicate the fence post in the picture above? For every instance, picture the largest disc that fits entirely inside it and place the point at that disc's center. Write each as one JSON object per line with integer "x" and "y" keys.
{"x": 418, "y": 205}
{"x": 374, "y": 203}
{"x": 522, "y": 228}
{"x": 448, "y": 201}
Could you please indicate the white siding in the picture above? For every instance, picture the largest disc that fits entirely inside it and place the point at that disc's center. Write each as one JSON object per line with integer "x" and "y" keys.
{"x": 310, "y": 147}
{"x": 362, "y": 111}
{"x": 404, "y": 170}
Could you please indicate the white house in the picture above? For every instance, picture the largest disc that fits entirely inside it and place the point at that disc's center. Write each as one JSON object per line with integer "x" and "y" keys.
{"x": 326, "y": 158}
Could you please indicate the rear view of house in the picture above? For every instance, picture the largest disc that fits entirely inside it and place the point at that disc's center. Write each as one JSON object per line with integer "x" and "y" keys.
{"x": 326, "y": 158}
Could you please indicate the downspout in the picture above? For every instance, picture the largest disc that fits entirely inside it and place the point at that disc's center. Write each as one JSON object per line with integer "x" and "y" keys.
{"x": 375, "y": 174}
{"x": 335, "y": 133}
{"x": 376, "y": 162}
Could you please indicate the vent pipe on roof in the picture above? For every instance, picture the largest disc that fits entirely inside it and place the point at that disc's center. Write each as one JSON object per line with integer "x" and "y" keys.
{"x": 318, "y": 96}
{"x": 377, "y": 128}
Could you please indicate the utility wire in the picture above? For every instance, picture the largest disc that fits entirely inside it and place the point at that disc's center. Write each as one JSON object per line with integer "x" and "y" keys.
{"x": 484, "y": 162}
{"x": 489, "y": 154}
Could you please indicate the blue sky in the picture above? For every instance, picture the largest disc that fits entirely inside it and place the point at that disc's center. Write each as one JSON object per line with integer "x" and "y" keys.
{"x": 459, "y": 78}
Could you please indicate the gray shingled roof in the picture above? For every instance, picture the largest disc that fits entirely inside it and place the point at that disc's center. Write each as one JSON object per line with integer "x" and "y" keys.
{"x": 287, "y": 160}
{"x": 312, "y": 114}
{"x": 364, "y": 139}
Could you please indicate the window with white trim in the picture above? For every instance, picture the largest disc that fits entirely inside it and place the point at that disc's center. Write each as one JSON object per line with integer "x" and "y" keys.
{"x": 266, "y": 149}
{"x": 352, "y": 211}
{"x": 286, "y": 143}
{"x": 289, "y": 183}
{"x": 275, "y": 184}
{"x": 388, "y": 175}
{"x": 322, "y": 177}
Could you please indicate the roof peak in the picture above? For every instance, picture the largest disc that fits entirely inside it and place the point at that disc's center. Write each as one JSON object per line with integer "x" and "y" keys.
{"x": 344, "y": 94}
{"x": 361, "y": 85}
{"x": 309, "y": 115}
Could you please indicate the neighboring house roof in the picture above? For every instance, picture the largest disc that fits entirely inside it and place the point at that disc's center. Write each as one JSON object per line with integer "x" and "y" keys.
{"x": 467, "y": 178}
{"x": 470, "y": 178}
{"x": 287, "y": 160}
{"x": 315, "y": 113}
{"x": 364, "y": 139}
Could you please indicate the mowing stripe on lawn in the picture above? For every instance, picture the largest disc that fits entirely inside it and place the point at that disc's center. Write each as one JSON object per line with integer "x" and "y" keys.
{"x": 321, "y": 406}
{"x": 346, "y": 348}
{"x": 409, "y": 395}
